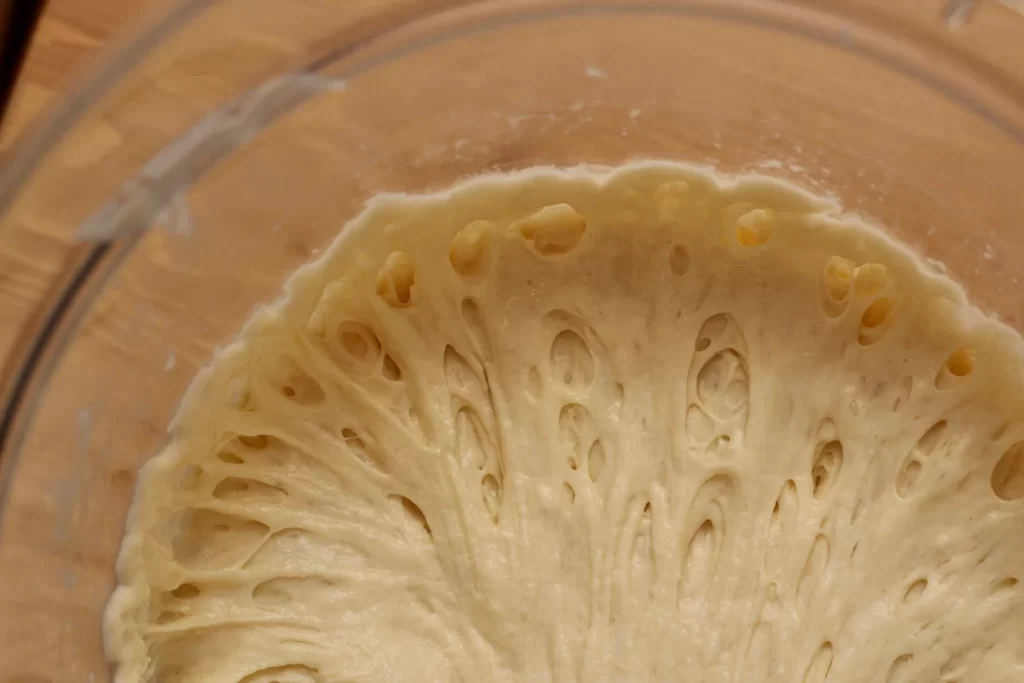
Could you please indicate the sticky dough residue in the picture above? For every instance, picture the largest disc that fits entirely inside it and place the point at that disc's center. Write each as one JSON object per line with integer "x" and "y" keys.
{"x": 638, "y": 425}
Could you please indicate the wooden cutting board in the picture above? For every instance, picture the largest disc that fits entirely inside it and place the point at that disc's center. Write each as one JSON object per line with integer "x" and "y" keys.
{"x": 73, "y": 34}
{"x": 70, "y": 37}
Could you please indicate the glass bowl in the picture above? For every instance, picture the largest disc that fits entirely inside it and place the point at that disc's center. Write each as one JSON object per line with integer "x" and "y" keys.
{"x": 227, "y": 142}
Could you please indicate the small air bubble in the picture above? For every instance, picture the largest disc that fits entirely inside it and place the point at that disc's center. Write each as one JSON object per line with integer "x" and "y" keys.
{"x": 357, "y": 447}
{"x": 186, "y": 591}
{"x": 820, "y": 665}
{"x": 711, "y": 330}
{"x": 571, "y": 360}
{"x": 354, "y": 344}
{"x": 826, "y": 467}
{"x": 754, "y": 228}
{"x": 234, "y": 489}
{"x": 468, "y": 251}
{"x": 257, "y": 442}
{"x": 229, "y": 487}
{"x": 838, "y": 278}
{"x": 1008, "y": 475}
{"x": 814, "y": 569}
{"x": 391, "y": 369}
{"x": 783, "y": 512}
{"x": 412, "y": 513}
{"x": 596, "y": 461}
{"x": 300, "y": 387}
{"x": 568, "y": 494}
{"x": 396, "y": 280}
{"x": 875, "y": 320}
{"x": 897, "y": 672}
{"x": 877, "y": 313}
{"x": 459, "y": 374}
{"x": 958, "y": 366}
{"x": 722, "y": 385}
{"x": 554, "y": 230}
{"x": 915, "y": 591}
{"x": 908, "y": 476}
{"x": 573, "y": 423}
{"x": 358, "y": 341}
{"x": 1004, "y": 585}
{"x": 836, "y": 283}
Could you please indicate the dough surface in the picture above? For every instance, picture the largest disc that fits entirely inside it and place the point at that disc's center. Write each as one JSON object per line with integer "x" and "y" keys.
{"x": 629, "y": 425}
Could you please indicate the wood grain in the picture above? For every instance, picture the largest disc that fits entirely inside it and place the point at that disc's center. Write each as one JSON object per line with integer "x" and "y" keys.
{"x": 72, "y": 36}
{"x": 70, "y": 40}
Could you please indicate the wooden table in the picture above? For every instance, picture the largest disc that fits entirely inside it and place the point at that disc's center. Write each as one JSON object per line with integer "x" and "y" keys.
{"x": 68, "y": 45}
{"x": 70, "y": 38}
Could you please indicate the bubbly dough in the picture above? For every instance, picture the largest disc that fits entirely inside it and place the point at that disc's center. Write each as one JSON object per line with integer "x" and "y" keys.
{"x": 630, "y": 425}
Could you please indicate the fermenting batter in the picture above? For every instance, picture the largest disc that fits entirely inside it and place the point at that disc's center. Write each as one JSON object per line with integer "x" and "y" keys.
{"x": 647, "y": 424}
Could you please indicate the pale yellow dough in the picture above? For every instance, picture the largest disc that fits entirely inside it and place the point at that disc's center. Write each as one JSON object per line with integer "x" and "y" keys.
{"x": 630, "y": 425}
